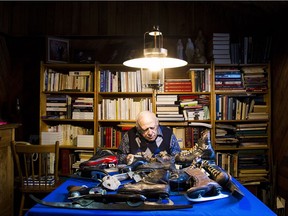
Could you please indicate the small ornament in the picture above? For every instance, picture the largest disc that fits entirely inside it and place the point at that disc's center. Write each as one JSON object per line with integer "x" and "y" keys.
{"x": 179, "y": 49}
{"x": 189, "y": 50}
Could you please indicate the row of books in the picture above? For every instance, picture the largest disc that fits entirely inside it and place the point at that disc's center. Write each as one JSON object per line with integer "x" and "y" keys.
{"x": 121, "y": 81}
{"x": 244, "y": 164}
{"x": 187, "y": 136}
{"x": 242, "y": 135}
{"x": 240, "y": 108}
{"x": 122, "y": 108}
{"x": 66, "y": 134}
{"x": 109, "y": 137}
{"x": 201, "y": 79}
{"x": 72, "y": 80}
{"x": 251, "y": 49}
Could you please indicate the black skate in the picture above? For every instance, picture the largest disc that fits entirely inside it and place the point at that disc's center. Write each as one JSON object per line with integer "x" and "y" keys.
{"x": 202, "y": 150}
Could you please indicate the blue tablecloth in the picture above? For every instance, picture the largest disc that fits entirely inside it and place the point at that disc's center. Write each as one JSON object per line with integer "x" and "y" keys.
{"x": 249, "y": 205}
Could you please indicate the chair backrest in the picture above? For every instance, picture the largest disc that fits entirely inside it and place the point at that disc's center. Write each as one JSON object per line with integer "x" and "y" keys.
{"x": 37, "y": 165}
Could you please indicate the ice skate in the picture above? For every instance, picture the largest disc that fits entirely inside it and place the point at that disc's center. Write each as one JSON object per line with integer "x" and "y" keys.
{"x": 147, "y": 189}
{"x": 202, "y": 150}
{"x": 180, "y": 181}
{"x": 204, "y": 188}
{"x": 222, "y": 178}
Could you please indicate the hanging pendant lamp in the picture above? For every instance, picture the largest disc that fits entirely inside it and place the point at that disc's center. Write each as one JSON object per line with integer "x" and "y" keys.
{"x": 155, "y": 58}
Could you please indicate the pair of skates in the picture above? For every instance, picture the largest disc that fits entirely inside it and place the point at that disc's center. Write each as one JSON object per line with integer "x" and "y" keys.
{"x": 208, "y": 179}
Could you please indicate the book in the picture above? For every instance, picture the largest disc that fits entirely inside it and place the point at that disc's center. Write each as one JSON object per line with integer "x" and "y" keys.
{"x": 221, "y": 34}
{"x": 79, "y": 73}
{"x": 65, "y": 163}
{"x": 167, "y": 108}
{"x": 171, "y": 118}
{"x": 221, "y": 47}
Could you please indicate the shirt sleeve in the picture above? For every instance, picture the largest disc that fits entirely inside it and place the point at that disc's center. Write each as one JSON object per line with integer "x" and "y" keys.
{"x": 174, "y": 145}
{"x": 123, "y": 148}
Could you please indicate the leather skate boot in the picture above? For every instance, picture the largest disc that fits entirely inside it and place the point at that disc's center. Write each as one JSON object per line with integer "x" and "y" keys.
{"x": 203, "y": 186}
{"x": 221, "y": 177}
{"x": 202, "y": 150}
{"x": 148, "y": 189}
{"x": 159, "y": 176}
{"x": 180, "y": 181}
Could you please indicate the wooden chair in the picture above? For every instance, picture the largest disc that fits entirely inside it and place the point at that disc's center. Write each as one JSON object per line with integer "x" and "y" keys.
{"x": 37, "y": 167}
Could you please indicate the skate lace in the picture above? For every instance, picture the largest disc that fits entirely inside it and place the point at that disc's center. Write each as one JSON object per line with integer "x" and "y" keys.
{"x": 211, "y": 169}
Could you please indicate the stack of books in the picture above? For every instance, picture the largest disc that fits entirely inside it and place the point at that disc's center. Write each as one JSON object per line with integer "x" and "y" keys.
{"x": 195, "y": 107}
{"x": 252, "y": 163}
{"x": 228, "y": 79}
{"x": 82, "y": 108}
{"x": 58, "y": 106}
{"x": 258, "y": 109}
{"x": 177, "y": 85}
{"x": 85, "y": 141}
{"x": 167, "y": 108}
{"x": 255, "y": 79}
{"x": 252, "y": 134}
{"x": 48, "y": 138}
{"x": 221, "y": 48}
{"x": 225, "y": 136}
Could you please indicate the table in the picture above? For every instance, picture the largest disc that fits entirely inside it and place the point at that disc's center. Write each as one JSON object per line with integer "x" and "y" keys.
{"x": 249, "y": 205}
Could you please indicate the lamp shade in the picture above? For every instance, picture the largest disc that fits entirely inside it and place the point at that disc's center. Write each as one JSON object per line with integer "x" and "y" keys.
{"x": 155, "y": 58}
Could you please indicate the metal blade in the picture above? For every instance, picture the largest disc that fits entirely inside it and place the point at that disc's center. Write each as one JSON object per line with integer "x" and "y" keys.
{"x": 90, "y": 204}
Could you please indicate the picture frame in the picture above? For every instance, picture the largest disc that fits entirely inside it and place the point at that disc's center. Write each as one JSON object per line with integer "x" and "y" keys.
{"x": 57, "y": 50}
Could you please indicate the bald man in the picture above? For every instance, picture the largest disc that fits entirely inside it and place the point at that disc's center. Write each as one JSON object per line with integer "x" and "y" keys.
{"x": 148, "y": 138}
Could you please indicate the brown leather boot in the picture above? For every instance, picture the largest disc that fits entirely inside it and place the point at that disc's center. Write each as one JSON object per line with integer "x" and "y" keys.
{"x": 203, "y": 186}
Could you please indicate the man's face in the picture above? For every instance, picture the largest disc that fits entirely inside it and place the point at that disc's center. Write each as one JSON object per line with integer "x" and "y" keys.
{"x": 148, "y": 129}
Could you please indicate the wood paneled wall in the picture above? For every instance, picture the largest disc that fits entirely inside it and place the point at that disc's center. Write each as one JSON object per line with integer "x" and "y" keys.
{"x": 91, "y": 18}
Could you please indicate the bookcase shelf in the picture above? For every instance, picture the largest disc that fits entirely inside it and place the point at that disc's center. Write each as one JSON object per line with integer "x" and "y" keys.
{"x": 242, "y": 144}
{"x": 111, "y": 125}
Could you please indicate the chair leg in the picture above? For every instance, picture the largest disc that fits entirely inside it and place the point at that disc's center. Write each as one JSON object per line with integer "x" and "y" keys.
{"x": 22, "y": 204}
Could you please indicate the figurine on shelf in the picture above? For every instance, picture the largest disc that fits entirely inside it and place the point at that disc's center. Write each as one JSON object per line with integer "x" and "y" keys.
{"x": 198, "y": 58}
{"x": 189, "y": 50}
{"x": 179, "y": 49}
{"x": 200, "y": 43}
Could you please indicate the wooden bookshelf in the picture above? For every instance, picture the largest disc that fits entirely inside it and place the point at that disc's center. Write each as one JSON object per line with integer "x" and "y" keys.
{"x": 119, "y": 93}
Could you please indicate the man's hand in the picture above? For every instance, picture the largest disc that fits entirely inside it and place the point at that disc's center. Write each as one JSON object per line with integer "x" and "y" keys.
{"x": 129, "y": 159}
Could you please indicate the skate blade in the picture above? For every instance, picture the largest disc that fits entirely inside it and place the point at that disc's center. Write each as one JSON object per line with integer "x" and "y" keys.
{"x": 204, "y": 199}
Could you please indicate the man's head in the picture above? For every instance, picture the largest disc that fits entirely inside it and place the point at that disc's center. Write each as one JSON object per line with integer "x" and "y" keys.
{"x": 147, "y": 125}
